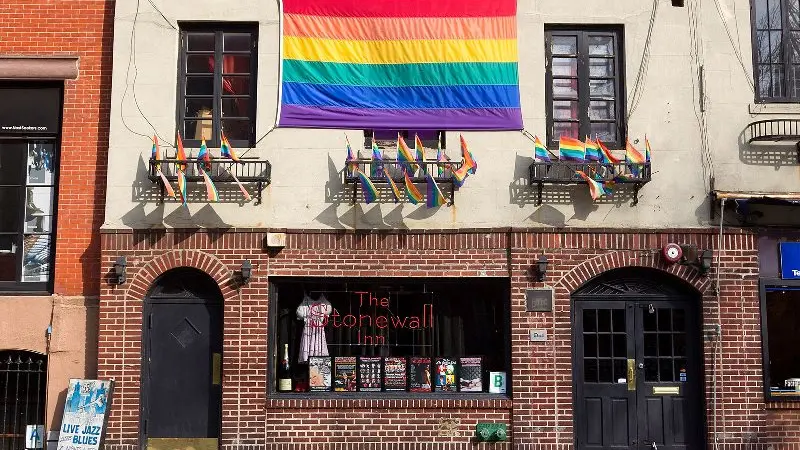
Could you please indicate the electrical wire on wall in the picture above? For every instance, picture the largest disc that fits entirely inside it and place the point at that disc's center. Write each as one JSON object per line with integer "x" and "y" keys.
{"x": 641, "y": 75}
{"x": 736, "y": 46}
{"x": 697, "y": 61}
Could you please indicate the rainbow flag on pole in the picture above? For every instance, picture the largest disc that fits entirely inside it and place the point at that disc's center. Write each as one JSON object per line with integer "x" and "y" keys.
{"x": 460, "y": 175}
{"x": 377, "y": 159}
{"x": 441, "y": 161}
{"x": 646, "y": 149}
{"x": 405, "y": 156}
{"x": 596, "y": 189}
{"x": 469, "y": 160}
{"x": 592, "y": 150}
{"x": 606, "y": 157}
{"x": 369, "y": 189}
{"x": 413, "y": 194}
{"x": 155, "y": 154}
{"x": 420, "y": 150}
{"x": 634, "y": 158}
{"x": 413, "y": 65}
{"x": 571, "y": 149}
{"x": 182, "y": 186}
{"x": 540, "y": 153}
{"x": 435, "y": 196}
{"x": 211, "y": 189}
{"x": 227, "y": 151}
{"x": 395, "y": 189}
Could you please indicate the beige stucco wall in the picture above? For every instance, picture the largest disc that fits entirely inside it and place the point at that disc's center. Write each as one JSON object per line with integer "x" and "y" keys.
{"x": 306, "y": 190}
{"x": 73, "y": 344}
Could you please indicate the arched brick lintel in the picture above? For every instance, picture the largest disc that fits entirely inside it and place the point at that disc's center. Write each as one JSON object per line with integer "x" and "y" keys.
{"x": 593, "y": 267}
{"x": 207, "y": 263}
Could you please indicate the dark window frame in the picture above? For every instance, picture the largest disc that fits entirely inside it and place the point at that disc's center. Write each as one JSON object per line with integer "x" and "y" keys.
{"x": 765, "y": 283}
{"x": 274, "y": 351}
{"x": 785, "y": 57}
{"x": 581, "y": 33}
{"x": 218, "y": 29}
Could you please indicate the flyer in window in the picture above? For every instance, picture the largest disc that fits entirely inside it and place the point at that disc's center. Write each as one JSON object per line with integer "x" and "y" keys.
{"x": 394, "y": 374}
{"x": 319, "y": 373}
{"x": 345, "y": 372}
{"x": 445, "y": 370}
{"x": 420, "y": 374}
{"x": 369, "y": 373}
{"x": 470, "y": 375}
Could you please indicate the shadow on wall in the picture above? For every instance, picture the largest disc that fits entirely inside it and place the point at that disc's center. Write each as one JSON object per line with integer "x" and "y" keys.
{"x": 767, "y": 153}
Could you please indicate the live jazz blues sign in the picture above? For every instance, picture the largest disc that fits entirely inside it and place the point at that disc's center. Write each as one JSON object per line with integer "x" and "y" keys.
{"x": 790, "y": 260}
{"x": 85, "y": 412}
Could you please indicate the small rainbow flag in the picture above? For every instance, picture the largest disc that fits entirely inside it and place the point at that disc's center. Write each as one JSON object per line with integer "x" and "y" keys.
{"x": 395, "y": 189}
{"x": 370, "y": 192}
{"x": 460, "y": 175}
{"x": 377, "y": 159}
{"x": 413, "y": 194}
{"x": 180, "y": 155}
{"x": 204, "y": 157}
{"x": 442, "y": 161}
{"x": 227, "y": 151}
{"x": 182, "y": 186}
{"x": 351, "y": 157}
{"x": 466, "y": 155}
{"x": 606, "y": 156}
{"x": 420, "y": 150}
{"x": 404, "y": 155}
{"x": 435, "y": 196}
{"x": 646, "y": 149}
{"x": 596, "y": 189}
{"x": 540, "y": 151}
{"x": 633, "y": 157}
{"x": 592, "y": 150}
{"x": 156, "y": 155}
{"x": 570, "y": 149}
{"x": 211, "y": 190}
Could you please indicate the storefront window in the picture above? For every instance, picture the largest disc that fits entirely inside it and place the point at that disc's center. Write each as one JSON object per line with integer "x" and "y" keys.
{"x": 425, "y": 336}
{"x": 780, "y": 321}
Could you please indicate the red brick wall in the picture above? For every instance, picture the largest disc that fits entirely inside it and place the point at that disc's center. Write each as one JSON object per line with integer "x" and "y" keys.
{"x": 83, "y": 28}
{"x": 540, "y": 414}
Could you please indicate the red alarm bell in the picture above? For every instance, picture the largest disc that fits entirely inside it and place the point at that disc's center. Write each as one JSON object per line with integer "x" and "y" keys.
{"x": 672, "y": 253}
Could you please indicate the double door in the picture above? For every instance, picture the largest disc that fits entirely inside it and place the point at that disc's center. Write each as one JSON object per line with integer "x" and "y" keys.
{"x": 637, "y": 375}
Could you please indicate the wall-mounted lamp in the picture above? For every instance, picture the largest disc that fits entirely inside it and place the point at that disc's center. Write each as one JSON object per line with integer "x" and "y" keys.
{"x": 246, "y": 272}
{"x": 705, "y": 260}
{"x": 119, "y": 269}
{"x": 541, "y": 268}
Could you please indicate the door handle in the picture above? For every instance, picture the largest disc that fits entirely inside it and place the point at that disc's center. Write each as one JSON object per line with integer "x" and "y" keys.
{"x": 631, "y": 374}
{"x": 652, "y": 444}
{"x": 216, "y": 369}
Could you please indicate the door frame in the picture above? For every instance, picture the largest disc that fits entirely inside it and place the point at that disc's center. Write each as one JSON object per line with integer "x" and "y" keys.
{"x": 153, "y": 297}
{"x": 640, "y": 284}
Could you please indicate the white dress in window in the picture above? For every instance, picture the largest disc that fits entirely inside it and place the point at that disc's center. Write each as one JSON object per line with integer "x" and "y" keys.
{"x": 313, "y": 313}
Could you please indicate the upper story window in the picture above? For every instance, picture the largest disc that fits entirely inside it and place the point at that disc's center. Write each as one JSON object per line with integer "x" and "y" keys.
{"x": 27, "y": 213}
{"x": 388, "y": 138}
{"x": 584, "y": 84}
{"x": 776, "y": 50}
{"x": 217, "y": 83}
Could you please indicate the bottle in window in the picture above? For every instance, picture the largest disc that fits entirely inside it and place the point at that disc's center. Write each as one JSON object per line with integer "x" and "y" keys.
{"x": 285, "y": 372}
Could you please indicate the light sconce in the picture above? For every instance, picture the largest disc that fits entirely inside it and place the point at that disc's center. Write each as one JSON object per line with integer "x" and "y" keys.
{"x": 246, "y": 272}
{"x": 541, "y": 268}
{"x": 119, "y": 269}
{"x": 705, "y": 260}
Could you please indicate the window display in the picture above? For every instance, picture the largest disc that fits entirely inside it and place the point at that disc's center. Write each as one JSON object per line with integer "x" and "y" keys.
{"x": 781, "y": 321}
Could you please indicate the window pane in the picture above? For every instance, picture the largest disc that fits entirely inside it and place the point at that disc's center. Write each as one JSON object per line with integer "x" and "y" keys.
{"x": 601, "y": 88}
{"x": 601, "y": 109}
{"x": 236, "y": 129}
{"x": 565, "y": 109}
{"x": 200, "y": 42}
{"x": 567, "y": 129}
{"x": 236, "y": 64}
{"x": 601, "y": 67}
{"x": 11, "y": 199}
{"x": 565, "y": 67}
{"x": 236, "y": 85}
{"x": 39, "y": 210}
{"x": 793, "y": 7}
{"x": 236, "y": 42}
{"x": 794, "y": 46}
{"x": 783, "y": 321}
{"x": 8, "y": 257}
{"x": 775, "y": 47}
{"x": 565, "y": 87}
{"x": 564, "y": 45}
{"x": 200, "y": 85}
{"x": 601, "y": 45}
{"x": 36, "y": 258}
{"x": 41, "y": 163}
{"x": 198, "y": 129}
{"x": 762, "y": 45}
{"x": 775, "y": 22}
{"x": 12, "y": 162}
{"x": 777, "y": 81}
{"x": 590, "y": 320}
{"x": 200, "y": 64}
{"x": 589, "y": 344}
{"x": 605, "y": 131}
{"x": 236, "y": 107}
{"x": 606, "y": 373}
{"x": 199, "y": 107}
{"x": 794, "y": 79}
{"x": 764, "y": 81}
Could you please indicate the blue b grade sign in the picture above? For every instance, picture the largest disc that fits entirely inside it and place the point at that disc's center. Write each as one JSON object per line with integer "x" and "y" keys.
{"x": 790, "y": 260}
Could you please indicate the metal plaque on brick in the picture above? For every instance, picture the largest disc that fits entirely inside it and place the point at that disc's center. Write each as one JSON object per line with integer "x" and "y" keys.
{"x": 539, "y": 300}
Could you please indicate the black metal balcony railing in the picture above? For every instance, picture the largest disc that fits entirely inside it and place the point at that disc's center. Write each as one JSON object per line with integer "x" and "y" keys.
{"x": 395, "y": 169}
{"x": 776, "y": 130}
{"x": 248, "y": 171}
{"x": 563, "y": 172}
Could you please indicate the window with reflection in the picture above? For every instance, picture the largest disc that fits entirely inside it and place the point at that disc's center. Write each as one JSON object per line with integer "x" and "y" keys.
{"x": 27, "y": 215}
{"x": 776, "y": 50}
{"x": 780, "y": 320}
{"x": 216, "y": 88}
{"x": 585, "y": 86}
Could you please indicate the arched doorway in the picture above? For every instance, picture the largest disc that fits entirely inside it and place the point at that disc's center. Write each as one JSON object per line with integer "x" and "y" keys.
{"x": 182, "y": 359}
{"x": 637, "y": 362}
{"x": 23, "y": 384}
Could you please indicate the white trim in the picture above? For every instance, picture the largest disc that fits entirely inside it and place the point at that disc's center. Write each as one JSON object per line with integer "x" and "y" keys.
{"x": 774, "y": 108}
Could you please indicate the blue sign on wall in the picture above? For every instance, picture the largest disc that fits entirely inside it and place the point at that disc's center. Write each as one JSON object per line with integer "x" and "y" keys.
{"x": 790, "y": 260}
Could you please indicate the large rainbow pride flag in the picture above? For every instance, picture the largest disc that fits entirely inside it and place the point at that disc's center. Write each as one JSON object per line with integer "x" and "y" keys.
{"x": 385, "y": 64}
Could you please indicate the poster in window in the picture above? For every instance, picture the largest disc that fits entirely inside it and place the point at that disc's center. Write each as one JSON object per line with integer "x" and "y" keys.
{"x": 319, "y": 373}
{"x": 345, "y": 373}
{"x": 36, "y": 258}
{"x": 394, "y": 374}
{"x": 40, "y": 163}
{"x": 445, "y": 370}
{"x": 420, "y": 374}
{"x": 470, "y": 375}
{"x": 38, "y": 209}
{"x": 85, "y": 410}
{"x": 369, "y": 373}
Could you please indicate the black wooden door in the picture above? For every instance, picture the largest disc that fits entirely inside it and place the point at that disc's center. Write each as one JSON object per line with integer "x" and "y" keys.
{"x": 637, "y": 375}
{"x": 182, "y": 390}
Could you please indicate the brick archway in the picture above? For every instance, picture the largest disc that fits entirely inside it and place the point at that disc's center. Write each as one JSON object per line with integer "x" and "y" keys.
{"x": 207, "y": 263}
{"x": 594, "y": 267}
